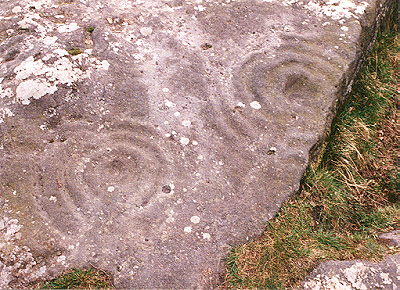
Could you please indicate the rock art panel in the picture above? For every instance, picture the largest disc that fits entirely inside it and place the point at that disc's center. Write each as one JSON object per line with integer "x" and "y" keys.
{"x": 146, "y": 137}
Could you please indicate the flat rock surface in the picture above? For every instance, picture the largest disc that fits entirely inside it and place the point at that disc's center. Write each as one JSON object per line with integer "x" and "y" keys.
{"x": 356, "y": 275}
{"x": 145, "y": 137}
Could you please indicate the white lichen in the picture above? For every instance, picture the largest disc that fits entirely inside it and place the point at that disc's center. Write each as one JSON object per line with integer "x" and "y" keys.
{"x": 355, "y": 275}
{"x": 255, "y": 105}
{"x": 33, "y": 89}
{"x": 146, "y": 31}
{"x": 38, "y": 78}
{"x": 195, "y": 219}
{"x": 186, "y": 123}
{"x": 206, "y": 236}
{"x": 184, "y": 141}
{"x": 5, "y": 112}
{"x": 17, "y": 265}
{"x": 337, "y": 9}
{"x": 68, "y": 28}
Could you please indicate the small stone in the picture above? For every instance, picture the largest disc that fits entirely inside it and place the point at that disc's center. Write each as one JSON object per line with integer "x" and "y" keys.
{"x": 187, "y": 230}
{"x": 110, "y": 188}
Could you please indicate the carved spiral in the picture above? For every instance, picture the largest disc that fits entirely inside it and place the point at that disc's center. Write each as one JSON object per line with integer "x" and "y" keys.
{"x": 101, "y": 175}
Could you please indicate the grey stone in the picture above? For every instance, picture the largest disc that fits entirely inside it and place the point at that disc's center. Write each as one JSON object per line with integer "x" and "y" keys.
{"x": 355, "y": 275}
{"x": 174, "y": 129}
{"x": 392, "y": 238}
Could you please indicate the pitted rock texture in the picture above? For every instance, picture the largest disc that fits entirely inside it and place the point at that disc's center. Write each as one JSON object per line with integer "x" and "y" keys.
{"x": 145, "y": 137}
{"x": 356, "y": 275}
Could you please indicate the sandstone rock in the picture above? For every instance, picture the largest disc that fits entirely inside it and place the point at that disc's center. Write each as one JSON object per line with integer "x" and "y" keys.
{"x": 146, "y": 137}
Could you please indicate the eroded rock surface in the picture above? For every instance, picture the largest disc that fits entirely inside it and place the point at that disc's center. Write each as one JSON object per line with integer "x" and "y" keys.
{"x": 145, "y": 137}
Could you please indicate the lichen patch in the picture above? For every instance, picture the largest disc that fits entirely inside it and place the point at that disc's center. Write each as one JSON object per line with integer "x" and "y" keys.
{"x": 195, "y": 219}
{"x": 33, "y": 89}
{"x": 337, "y": 9}
{"x": 5, "y": 112}
{"x": 16, "y": 262}
{"x": 68, "y": 28}
{"x": 40, "y": 78}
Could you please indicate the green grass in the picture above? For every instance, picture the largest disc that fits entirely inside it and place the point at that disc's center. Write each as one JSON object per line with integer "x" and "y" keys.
{"x": 81, "y": 279}
{"x": 348, "y": 196}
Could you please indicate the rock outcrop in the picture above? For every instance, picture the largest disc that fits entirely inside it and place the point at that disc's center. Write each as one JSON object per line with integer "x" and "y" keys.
{"x": 146, "y": 137}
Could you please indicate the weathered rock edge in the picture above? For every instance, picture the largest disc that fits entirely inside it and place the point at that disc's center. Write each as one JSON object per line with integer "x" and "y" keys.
{"x": 179, "y": 130}
{"x": 381, "y": 17}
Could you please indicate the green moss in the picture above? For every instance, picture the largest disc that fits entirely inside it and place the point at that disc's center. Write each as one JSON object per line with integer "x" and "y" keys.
{"x": 74, "y": 51}
{"x": 90, "y": 29}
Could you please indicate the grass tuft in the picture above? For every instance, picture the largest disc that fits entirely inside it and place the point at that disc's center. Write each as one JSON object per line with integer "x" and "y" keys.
{"x": 347, "y": 198}
{"x": 80, "y": 279}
